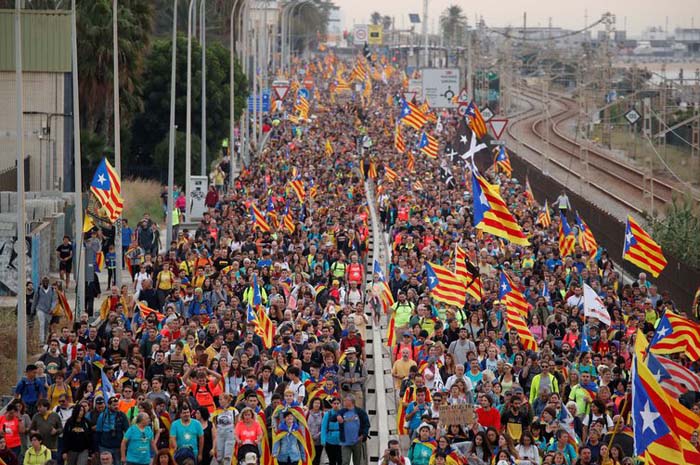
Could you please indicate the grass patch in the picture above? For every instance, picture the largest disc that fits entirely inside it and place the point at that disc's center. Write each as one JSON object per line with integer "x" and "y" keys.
{"x": 141, "y": 196}
{"x": 8, "y": 356}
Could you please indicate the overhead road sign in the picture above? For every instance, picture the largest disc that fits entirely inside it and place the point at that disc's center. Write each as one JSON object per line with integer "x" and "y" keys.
{"x": 375, "y": 34}
{"x": 440, "y": 85}
{"x": 414, "y": 18}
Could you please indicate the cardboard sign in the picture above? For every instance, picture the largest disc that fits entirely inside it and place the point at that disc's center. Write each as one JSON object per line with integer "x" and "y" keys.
{"x": 460, "y": 414}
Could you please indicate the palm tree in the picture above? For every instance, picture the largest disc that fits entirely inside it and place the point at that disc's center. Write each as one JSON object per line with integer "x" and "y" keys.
{"x": 387, "y": 22}
{"x": 453, "y": 22}
{"x": 375, "y": 18}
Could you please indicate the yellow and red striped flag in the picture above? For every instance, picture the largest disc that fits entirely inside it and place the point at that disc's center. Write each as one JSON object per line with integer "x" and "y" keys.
{"x": 515, "y": 321}
{"x": 372, "y": 172}
{"x": 107, "y": 188}
{"x": 502, "y": 162}
{"x": 391, "y": 332}
{"x": 544, "y": 218}
{"x": 390, "y": 174}
{"x": 473, "y": 283}
{"x": 411, "y": 165}
{"x": 428, "y": 145}
{"x": 259, "y": 219}
{"x": 298, "y": 187}
{"x": 567, "y": 240}
{"x": 676, "y": 334}
{"x": 529, "y": 195}
{"x": 586, "y": 239}
{"x": 642, "y": 250}
{"x": 475, "y": 121}
{"x": 491, "y": 213}
{"x": 445, "y": 286}
{"x": 288, "y": 223}
{"x": 399, "y": 143}
{"x": 412, "y": 116}
{"x": 511, "y": 296}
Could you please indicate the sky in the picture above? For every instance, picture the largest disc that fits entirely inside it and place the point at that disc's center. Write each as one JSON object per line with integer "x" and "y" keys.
{"x": 639, "y": 14}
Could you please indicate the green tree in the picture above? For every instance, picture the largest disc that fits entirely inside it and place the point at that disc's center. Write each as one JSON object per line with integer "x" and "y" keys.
{"x": 151, "y": 125}
{"x": 375, "y": 18}
{"x": 453, "y": 23}
{"x": 310, "y": 22}
{"x": 387, "y": 22}
{"x": 95, "y": 61}
{"x": 160, "y": 155}
{"x": 677, "y": 232}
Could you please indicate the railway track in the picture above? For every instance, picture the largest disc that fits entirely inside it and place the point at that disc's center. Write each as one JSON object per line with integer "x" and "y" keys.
{"x": 622, "y": 183}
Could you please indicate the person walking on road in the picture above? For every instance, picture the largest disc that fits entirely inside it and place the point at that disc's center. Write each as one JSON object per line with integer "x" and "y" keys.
{"x": 354, "y": 431}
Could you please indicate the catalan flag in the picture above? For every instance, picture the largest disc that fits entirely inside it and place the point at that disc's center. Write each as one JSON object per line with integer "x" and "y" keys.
{"x": 384, "y": 289}
{"x": 99, "y": 260}
{"x": 144, "y": 311}
{"x": 502, "y": 162}
{"x": 391, "y": 332}
{"x": 514, "y": 320}
{"x": 674, "y": 378}
{"x": 273, "y": 219}
{"x": 411, "y": 165}
{"x": 475, "y": 121}
{"x": 298, "y": 187}
{"x": 259, "y": 219}
{"x": 428, "y": 145}
{"x": 390, "y": 174}
{"x": 107, "y": 188}
{"x": 660, "y": 428}
{"x": 288, "y": 221}
{"x": 676, "y": 334}
{"x": 329, "y": 148}
{"x": 359, "y": 72}
{"x": 544, "y": 218}
{"x": 63, "y": 307}
{"x": 445, "y": 286}
{"x": 529, "y": 195}
{"x": 399, "y": 143}
{"x": 470, "y": 278}
{"x": 567, "y": 240}
{"x": 412, "y": 116}
{"x": 642, "y": 250}
{"x": 265, "y": 329}
{"x": 511, "y": 296}
{"x": 586, "y": 239}
{"x": 418, "y": 185}
{"x": 491, "y": 213}
{"x": 372, "y": 172}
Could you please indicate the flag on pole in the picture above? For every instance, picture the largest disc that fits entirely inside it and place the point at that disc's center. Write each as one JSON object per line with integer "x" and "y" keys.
{"x": 544, "y": 218}
{"x": 673, "y": 377}
{"x": 399, "y": 143}
{"x": 529, "y": 195}
{"x": 514, "y": 320}
{"x": 642, "y": 250}
{"x": 390, "y": 174}
{"x": 586, "y": 239}
{"x": 445, "y": 286}
{"x": 470, "y": 277}
{"x": 259, "y": 219}
{"x": 593, "y": 305}
{"x": 502, "y": 162}
{"x": 491, "y": 213}
{"x": 107, "y": 188}
{"x": 428, "y": 145}
{"x": 411, "y": 165}
{"x": 475, "y": 121}
{"x": 676, "y": 334}
{"x": 511, "y": 296}
{"x": 297, "y": 186}
{"x": 567, "y": 240}
{"x": 412, "y": 116}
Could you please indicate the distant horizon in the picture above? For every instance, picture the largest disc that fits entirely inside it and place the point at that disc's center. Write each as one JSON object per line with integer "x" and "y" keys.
{"x": 636, "y": 15}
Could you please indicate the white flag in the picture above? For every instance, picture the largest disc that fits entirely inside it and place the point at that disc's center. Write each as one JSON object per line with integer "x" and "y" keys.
{"x": 593, "y": 305}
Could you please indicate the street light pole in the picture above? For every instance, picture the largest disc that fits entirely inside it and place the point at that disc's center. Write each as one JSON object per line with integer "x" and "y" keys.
{"x": 231, "y": 96}
{"x": 188, "y": 115}
{"x": 171, "y": 139}
{"x": 77, "y": 172}
{"x": 117, "y": 141}
{"x": 203, "y": 44}
{"x": 21, "y": 220}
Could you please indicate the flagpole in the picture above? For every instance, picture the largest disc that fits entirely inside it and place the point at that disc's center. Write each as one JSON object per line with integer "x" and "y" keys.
{"x": 117, "y": 142}
{"x": 77, "y": 167}
{"x": 171, "y": 137}
{"x": 21, "y": 219}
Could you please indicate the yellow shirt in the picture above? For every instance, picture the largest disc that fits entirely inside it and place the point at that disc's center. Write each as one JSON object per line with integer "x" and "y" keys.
{"x": 401, "y": 369}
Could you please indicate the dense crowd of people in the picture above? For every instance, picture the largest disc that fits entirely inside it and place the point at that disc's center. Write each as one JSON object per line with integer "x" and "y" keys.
{"x": 181, "y": 366}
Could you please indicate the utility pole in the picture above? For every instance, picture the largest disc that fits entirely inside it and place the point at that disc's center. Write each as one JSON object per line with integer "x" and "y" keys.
{"x": 77, "y": 172}
{"x": 695, "y": 148}
{"x": 117, "y": 139}
{"x": 468, "y": 73}
{"x": 425, "y": 33}
{"x": 21, "y": 219}
{"x": 171, "y": 138}
{"x": 646, "y": 131}
{"x": 606, "y": 125}
{"x": 203, "y": 44}
{"x": 188, "y": 114}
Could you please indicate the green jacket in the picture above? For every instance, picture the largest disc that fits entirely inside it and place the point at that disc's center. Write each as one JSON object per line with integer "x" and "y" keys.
{"x": 535, "y": 386}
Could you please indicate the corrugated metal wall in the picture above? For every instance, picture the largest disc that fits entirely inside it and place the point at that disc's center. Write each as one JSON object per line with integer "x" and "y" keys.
{"x": 46, "y": 42}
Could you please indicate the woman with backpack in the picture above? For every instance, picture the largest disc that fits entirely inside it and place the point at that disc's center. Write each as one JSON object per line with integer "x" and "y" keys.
{"x": 330, "y": 433}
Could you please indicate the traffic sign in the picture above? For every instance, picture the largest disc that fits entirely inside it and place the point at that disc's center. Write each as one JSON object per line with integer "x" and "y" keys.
{"x": 463, "y": 97}
{"x": 281, "y": 87}
{"x": 303, "y": 93}
{"x": 497, "y": 142}
{"x": 462, "y": 109}
{"x": 309, "y": 83}
{"x": 360, "y": 33}
{"x": 487, "y": 114}
{"x": 256, "y": 104}
{"x": 439, "y": 86}
{"x": 632, "y": 116}
{"x": 498, "y": 125}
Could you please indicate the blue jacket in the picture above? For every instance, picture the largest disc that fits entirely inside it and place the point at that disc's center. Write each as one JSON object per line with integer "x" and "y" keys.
{"x": 355, "y": 424}
{"x": 330, "y": 429}
{"x": 288, "y": 449}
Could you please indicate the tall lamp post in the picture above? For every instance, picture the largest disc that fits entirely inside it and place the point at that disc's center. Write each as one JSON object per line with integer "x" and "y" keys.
{"x": 203, "y": 44}
{"x": 77, "y": 170}
{"x": 231, "y": 96}
{"x": 171, "y": 138}
{"x": 188, "y": 116}
{"x": 117, "y": 139}
{"x": 21, "y": 220}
